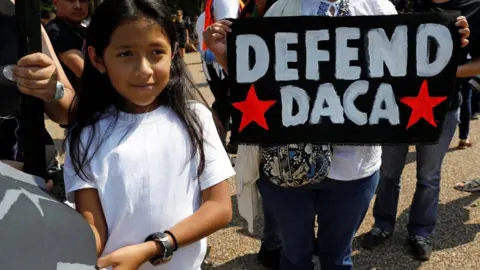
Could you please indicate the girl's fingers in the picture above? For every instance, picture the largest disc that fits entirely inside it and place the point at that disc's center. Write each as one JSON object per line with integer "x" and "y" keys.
{"x": 465, "y": 42}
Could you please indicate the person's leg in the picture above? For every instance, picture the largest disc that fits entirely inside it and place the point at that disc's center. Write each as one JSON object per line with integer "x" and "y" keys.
{"x": 181, "y": 49}
{"x": 271, "y": 234}
{"x": 465, "y": 117}
{"x": 423, "y": 211}
{"x": 293, "y": 209}
{"x": 341, "y": 208}
{"x": 386, "y": 203}
{"x": 388, "y": 190}
{"x": 270, "y": 249}
{"x": 475, "y": 104}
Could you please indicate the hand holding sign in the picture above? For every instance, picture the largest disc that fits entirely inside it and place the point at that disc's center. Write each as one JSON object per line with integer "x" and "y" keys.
{"x": 351, "y": 81}
{"x": 464, "y": 30}
{"x": 36, "y": 75}
{"x": 215, "y": 38}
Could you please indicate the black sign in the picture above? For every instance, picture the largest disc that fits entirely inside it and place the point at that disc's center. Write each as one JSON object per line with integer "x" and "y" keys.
{"x": 354, "y": 80}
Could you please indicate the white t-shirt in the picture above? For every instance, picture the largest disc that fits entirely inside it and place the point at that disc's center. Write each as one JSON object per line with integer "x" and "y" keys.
{"x": 352, "y": 162}
{"x": 146, "y": 180}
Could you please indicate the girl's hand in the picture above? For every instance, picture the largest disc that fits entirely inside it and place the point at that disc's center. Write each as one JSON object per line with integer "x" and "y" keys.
{"x": 215, "y": 36}
{"x": 36, "y": 75}
{"x": 126, "y": 258}
{"x": 464, "y": 30}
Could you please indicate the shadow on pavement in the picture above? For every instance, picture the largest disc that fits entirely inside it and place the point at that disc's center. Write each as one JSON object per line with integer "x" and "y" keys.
{"x": 451, "y": 231}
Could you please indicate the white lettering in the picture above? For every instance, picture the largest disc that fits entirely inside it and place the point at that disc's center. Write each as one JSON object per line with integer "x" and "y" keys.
{"x": 244, "y": 73}
{"x": 326, "y": 95}
{"x": 444, "y": 50}
{"x": 345, "y": 54}
{"x": 314, "y": 55}
{"x": 289, "y": 94}
{"x": 353, "y": 91}
{"x": 385, "y": 96}
{"x": 393, "y": 53}
{"x": 283, "y": 56}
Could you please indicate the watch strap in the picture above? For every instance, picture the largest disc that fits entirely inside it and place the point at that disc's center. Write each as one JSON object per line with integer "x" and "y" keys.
{"x": 175, "y": 244}
{"x": 161, "y": 239}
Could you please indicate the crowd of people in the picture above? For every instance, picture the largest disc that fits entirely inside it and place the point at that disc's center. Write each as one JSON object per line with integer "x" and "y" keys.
{"x": 146, "y": 159}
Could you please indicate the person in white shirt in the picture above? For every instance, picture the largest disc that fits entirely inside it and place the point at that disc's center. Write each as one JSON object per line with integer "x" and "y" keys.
{"x": 144, "y": 163}
{"x": 341, "y": 200}
{"x": 216, "y": 10}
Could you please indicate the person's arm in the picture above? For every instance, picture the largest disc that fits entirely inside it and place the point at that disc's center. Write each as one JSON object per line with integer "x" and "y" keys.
{"x": 65, "y": 50}
{"x": 73, "y": 59}
{"x": 214, "y": 214}
{"x": 469, "y": 69}
{"x": 88, "y": 205}
{"x": 57, "y": 111}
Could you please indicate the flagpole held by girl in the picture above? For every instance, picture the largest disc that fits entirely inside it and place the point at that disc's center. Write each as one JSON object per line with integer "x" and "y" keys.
{"x": 145, "y": 165}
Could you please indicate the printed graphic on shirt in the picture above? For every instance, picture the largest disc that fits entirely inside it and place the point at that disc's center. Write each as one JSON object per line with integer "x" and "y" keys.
{"x": 350, "y": 81}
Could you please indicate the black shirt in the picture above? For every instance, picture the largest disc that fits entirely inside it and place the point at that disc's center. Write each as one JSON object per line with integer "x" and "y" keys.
{"x": 65, "y": 37}
{"x": 9, "y": 94}
{"x": 471, "y": 10}
{"x": 181, "y": 31}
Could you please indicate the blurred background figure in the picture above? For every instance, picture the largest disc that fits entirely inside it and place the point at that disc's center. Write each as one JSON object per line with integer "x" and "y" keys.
{"x": 46, "y": 16}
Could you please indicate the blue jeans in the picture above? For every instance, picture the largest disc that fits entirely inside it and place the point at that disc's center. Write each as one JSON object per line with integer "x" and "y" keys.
{"x": 340, "y": 207}
{"x": 423, "y": 211}
{"x": 465, "y": 112}
{"x": 271, "y": 233}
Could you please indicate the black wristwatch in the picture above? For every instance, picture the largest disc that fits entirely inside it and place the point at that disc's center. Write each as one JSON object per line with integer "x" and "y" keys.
{"x": 168, "y": 248}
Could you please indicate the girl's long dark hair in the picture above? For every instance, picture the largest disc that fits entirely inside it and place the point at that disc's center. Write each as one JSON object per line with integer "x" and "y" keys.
{"x": 97, "y": 94}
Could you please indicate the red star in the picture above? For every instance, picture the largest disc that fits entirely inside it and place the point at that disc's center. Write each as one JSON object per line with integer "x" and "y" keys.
{"x": 253, "y": 109}
{"x": 422, "y": 106}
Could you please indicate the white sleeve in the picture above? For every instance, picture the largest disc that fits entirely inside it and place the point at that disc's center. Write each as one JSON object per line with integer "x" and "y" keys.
{"x": 223, "y": 9}
{"x": 217, "y": 163}
{"x": 73, "y": 181}
{"x": 384, "y": 7}
{"x": 199, "y": 25}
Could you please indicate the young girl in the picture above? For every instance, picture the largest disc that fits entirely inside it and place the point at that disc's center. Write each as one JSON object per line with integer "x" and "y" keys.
{"x": 145, "y": 165}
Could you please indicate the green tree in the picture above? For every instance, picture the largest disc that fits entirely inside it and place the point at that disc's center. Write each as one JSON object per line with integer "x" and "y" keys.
{"x": 47, "y": 5}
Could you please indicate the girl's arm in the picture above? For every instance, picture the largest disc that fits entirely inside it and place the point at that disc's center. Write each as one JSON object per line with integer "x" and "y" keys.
{"x": 214, "y": 214}
{"x": 88, "y": 205}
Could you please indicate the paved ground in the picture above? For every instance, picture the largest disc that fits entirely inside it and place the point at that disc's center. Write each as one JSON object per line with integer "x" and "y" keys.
{"x": 456, "y": 239}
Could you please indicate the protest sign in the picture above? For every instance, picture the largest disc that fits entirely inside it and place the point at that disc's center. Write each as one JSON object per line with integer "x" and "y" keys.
{"x": 354, "y": 80}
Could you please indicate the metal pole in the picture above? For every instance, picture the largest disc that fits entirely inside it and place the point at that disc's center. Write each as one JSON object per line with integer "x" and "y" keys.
{"x": 32, "y": 123}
